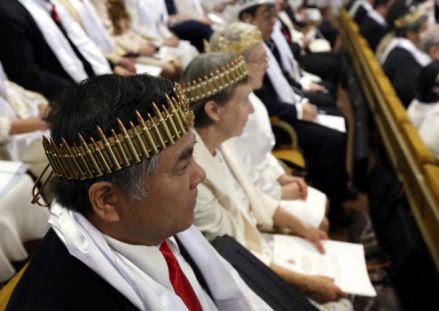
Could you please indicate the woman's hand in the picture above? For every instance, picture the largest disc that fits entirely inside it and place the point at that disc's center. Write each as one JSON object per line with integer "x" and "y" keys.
{"x": 323, "y": 289}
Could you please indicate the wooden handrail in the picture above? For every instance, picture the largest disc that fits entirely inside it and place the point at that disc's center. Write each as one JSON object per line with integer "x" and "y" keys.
{"x": 407, "y": 153}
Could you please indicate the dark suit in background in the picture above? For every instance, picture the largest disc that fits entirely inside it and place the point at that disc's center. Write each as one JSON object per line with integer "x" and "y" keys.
{"x": 26, "y": 57}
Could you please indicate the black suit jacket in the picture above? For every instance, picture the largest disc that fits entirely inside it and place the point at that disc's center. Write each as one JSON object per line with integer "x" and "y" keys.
{"x": 360, "y": 15}
{"x": 372, "y": 31}
{"x": 403, "y": 71}
{"x": 55, "y": 280}
{"x": 275, "y": 106}
{"x": 26, "y": 57}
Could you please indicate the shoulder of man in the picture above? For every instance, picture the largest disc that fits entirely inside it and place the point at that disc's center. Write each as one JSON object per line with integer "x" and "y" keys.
{"x": 56, "y": 280}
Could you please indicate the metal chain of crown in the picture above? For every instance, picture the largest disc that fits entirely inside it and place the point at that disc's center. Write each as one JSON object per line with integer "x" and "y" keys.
{"x": 246, "y": 41}
{"x": 409, "y": 18}
{"x": 125, "y": 146}
{"x": 217, "y": 81}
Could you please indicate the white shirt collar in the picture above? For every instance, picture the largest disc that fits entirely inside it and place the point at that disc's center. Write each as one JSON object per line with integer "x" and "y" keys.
{"x": 149, "y": 259}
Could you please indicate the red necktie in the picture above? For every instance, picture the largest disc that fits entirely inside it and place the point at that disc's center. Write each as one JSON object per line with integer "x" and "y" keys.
{"x": 54, "y": 13}
{"x": 179, "y": 281}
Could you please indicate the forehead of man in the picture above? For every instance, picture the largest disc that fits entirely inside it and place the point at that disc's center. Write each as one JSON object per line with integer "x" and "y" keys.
{"x": 177, "y": 154}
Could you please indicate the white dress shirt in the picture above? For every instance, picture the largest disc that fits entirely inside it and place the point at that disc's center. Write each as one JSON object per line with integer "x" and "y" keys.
{"x": 150, "y": 260}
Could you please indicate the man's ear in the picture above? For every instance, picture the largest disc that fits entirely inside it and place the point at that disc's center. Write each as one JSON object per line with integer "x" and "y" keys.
{"x": 103, "y": 199}
{"x": 212, "y": 109}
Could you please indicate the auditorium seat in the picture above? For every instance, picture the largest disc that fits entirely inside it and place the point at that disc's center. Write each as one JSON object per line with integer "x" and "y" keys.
{"x": 8, "y": 289}
{"x": 431, "y": 173}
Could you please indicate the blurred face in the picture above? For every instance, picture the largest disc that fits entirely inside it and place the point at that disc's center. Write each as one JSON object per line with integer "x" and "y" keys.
{"x": 433, "y": 52}
{"x": 416, "y": 36}
{"x": 257, "y": 65}
{"x": 172, "y": 191}
{"x": 264, "y": 19}
{"x": 234, "y": 114}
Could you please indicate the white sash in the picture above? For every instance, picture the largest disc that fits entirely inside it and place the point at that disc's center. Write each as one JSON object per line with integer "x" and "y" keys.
{"x": 286, "y": 56}
{"x": 93, "y": 25}
{"x": 280, "y": 84}
{"x": 422, "y": 58}
{"x": 377, "y": 17}
{"x": 40, "y": 11}
{"x": 87, "y": 243}
{"x": 359, "y": 3}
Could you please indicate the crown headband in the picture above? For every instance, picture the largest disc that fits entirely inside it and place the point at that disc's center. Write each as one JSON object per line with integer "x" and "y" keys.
{"x": 217, "y": 81}
{"x": 246, "y": 41}
{"x": 408, "y": 19}
{"x": 125, "y": 146}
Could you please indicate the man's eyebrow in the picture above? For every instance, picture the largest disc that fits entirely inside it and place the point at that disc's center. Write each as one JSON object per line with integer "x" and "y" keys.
{"x": 186, "y": 154}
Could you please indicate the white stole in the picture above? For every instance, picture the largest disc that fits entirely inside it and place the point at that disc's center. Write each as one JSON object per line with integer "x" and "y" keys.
{"x": 358, "y": 4}
{"x": 261, "y": 205}
{"x": 87, "y": 244}
{"x": 421, "y": 58}
{"x": 286, "y": 56}
{"x": 93, "y": 25}
{"x": 40, "y": 11}
{"x": 377, "y": 17}
{"x": 280, "y": 84}
{"x": 249, "y": 236}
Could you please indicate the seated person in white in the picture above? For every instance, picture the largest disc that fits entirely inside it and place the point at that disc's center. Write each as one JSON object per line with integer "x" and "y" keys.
{"x": 117, "y": 22}
{"x": 424, "y": 109}
{"x": 84, "y": 13}
{"x": 257, "y": 139}
{"x": 22, "y": 126}
{"x": 125, "y": 213}
{"x": 20, "y": 221}
{"x": 227, "y": 202}
{"x": 149, "y": 18}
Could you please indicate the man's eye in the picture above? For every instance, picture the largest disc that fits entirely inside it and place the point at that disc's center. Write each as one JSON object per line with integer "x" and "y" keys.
{"x": 183, "y": 168}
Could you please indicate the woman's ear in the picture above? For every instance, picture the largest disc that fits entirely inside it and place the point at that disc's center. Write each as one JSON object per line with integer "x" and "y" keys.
{"x": 103, "y": 199}
{"x": 212, "y": 110}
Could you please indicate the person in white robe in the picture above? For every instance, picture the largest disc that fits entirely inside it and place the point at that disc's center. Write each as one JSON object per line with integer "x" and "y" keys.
{"x": 84, "y": 13}
{"x": 227, "y": 201}
{"x": 150, "y": 18}
{"x": 256, "y": 142}
{"x": 22, "y": 126}
{"x": 117, "y": 22}
{"x": 20, "y": 221}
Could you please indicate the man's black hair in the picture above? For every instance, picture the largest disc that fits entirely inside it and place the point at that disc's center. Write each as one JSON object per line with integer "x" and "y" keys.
{"x": 252, "y": 10}
{"x": 99, "y": 102}
{"x": 378, "y": 3}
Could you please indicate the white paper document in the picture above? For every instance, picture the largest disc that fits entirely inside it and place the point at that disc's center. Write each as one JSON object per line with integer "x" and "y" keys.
{"x": 334, "y": 122}
{"x": 311, "y": 210}
{"x": 344, "y": 262}
{"x": 149, "y": 69}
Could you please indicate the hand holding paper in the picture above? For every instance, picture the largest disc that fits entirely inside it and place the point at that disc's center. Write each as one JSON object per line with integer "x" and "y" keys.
{"x": 344, "y": 262}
